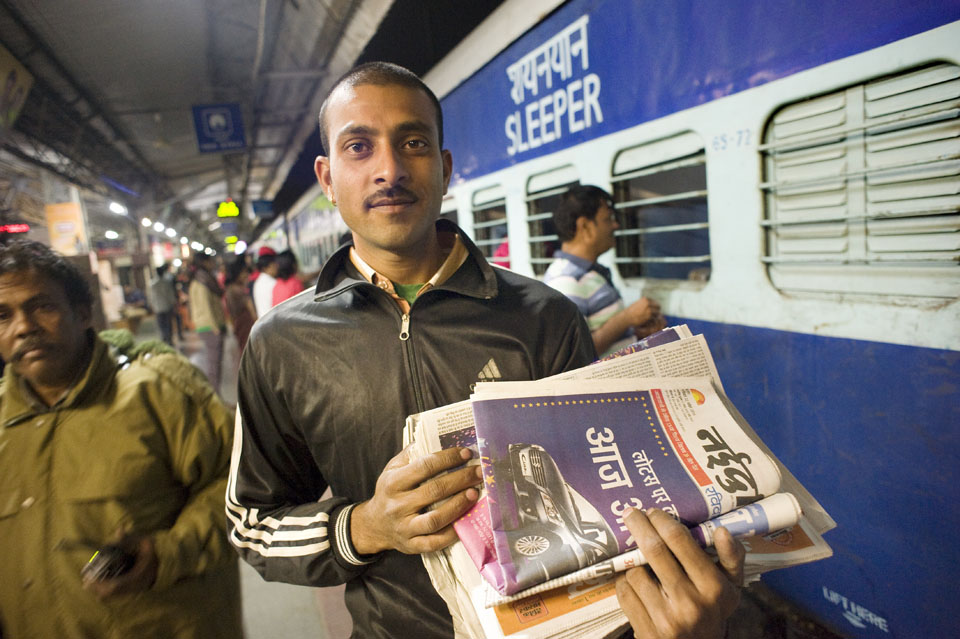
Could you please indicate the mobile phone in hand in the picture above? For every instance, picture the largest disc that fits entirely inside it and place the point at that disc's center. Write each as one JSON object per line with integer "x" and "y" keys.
{"x": 108, "y": 562}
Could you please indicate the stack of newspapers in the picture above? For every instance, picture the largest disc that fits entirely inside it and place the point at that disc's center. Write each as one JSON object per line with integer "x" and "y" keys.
{"x": 563, "y": 457}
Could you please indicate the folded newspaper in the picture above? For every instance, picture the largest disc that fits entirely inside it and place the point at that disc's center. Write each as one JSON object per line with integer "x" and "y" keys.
{"x": 564, "y": 457}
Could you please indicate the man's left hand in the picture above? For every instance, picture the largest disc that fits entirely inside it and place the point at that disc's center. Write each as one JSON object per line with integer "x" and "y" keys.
{"x": 681, "y": 592}
{"x": 138, "y": 579}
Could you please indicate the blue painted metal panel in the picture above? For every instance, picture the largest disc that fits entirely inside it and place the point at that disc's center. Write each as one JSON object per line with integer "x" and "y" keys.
{"x": 644, "y": 59}
{"x": 872, "y": 431}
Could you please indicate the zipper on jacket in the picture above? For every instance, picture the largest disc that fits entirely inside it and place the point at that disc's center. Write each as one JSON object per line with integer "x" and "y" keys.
{"x": 411, "y": 359}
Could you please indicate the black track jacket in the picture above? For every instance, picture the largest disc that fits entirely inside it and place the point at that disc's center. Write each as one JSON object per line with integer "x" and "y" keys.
{"x": 326, "y": 382}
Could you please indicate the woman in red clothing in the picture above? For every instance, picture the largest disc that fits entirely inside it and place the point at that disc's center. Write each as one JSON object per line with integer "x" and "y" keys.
{"x": 288, "y": 283}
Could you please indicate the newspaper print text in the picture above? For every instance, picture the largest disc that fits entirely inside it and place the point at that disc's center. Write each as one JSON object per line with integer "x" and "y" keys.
{"x": 736, "y": 477}
{"x": 604, "y": 450}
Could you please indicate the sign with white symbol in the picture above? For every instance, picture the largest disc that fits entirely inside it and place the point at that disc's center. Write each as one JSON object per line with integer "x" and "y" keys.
{"x": 219, "y": 127}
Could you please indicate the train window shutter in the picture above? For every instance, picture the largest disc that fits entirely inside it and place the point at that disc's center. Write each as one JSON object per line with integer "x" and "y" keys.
{"x": 543, "y": 196}
{"x": 660, "y": 191}
{"x": 489, "y": 208}
{"x": 862, "y": 188}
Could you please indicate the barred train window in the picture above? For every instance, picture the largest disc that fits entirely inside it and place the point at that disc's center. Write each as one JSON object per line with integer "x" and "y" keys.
{"x": 543, "y": 196}
{"x": 862, "y": 188}
{"x": 490, "y": 224}
{"x": 660, "y": 191}
{"x": 448, "y": 208}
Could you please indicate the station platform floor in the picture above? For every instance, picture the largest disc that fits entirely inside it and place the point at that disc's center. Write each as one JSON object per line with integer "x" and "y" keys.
{"x": 299, "y": 612}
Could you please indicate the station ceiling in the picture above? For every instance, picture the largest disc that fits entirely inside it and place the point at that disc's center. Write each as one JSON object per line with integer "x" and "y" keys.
{"x": 115, "y": 83}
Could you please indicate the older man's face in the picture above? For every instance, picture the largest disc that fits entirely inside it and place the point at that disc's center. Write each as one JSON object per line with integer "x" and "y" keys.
{"x": 42, "y": 336}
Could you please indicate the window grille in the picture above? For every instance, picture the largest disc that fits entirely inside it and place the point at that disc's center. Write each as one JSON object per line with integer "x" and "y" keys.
{"x": 543, "y": 196}
{"x": 862, "y": 188}
{"x": 660, "y": 191}
{"x": 448, "y": 208}
{"x": 490, "y": 224}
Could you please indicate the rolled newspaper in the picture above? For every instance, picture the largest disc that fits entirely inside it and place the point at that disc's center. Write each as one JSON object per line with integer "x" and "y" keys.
{"x": 771, "y": 514}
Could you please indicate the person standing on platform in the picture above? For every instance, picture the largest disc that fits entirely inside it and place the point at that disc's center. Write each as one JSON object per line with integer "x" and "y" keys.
{"x": 239, "y": 304}
{"x": 98, "y": 449}
{"x": 207, "y": 315}
{"x": 164, "y": 294}
{"x": 405, "y": 319}
{"x": 288, "y": 281}
{"x": 181, "y": 282}
{"x": 585, "y": 223}
{"x": 262, "y": 289}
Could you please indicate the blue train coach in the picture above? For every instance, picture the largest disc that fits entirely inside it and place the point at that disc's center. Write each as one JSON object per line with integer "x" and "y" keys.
{"x": 787, "y": 178}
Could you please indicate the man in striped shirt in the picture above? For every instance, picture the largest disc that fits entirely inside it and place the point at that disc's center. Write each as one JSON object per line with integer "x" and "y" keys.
{"x": 585, "y": 223}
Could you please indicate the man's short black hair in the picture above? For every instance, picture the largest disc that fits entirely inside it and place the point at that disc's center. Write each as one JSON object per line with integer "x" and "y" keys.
{"x": 235, "y": 269}
{"x": 265, "y": 261}
{"x": 287, "y": 265}
{"x": 581, "y": 200}
{"x": 28, "y": 255}
{"x": 202, "y": 259}
{"x": 379, "y": 74}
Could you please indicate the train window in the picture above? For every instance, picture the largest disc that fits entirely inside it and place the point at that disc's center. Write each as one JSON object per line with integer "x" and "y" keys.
{"x": 489, "y": 207}
{"x": 543, "y": 196}
{"x": 448, "y": 208}
{"x": 862, "y": 188}
{"x": 660, "y": 191}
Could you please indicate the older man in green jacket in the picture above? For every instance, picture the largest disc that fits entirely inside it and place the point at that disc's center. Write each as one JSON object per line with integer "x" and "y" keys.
{"x": 98, "y": 450}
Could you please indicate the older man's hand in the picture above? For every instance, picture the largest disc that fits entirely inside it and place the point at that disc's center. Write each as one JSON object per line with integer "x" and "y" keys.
{"x": 139, "y": 578}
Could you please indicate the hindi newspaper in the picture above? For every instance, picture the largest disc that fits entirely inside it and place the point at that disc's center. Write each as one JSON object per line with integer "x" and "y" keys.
{"x": 563, "y": 459}
{"x": 587, "y": 608}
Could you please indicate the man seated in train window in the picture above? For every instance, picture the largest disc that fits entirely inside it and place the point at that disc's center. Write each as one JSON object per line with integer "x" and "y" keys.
{"x": 585, "y": 223}
{"x": 112, "y": 450}
{"x": 407, "y": 317}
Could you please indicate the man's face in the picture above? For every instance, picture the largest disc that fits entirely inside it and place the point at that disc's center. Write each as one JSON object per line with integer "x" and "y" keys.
{"x": 42, "y": 336}
{"x": 603, "y": 227}
{"x": 385, "y": 170}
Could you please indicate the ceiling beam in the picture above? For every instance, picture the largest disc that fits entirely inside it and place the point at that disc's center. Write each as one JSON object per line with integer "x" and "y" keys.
{"x": 295, "y": 74}
{"x": 180, "y": 197}
{"x": 38, "y": 45}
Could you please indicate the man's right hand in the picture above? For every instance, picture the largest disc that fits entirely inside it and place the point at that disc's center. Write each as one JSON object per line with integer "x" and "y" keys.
{"x": 395, "y": 517}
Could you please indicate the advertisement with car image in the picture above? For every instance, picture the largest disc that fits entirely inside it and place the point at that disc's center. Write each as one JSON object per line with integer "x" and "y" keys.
{"x": 556, "y": 499}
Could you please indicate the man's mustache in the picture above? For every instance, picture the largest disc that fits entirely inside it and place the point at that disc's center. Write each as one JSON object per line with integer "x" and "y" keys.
{"x": 27, "y": 346}
{"x": 393, "y": 193}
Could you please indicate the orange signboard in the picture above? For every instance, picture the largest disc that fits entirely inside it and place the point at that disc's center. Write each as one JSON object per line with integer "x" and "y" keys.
{"x": 68, "y": 234}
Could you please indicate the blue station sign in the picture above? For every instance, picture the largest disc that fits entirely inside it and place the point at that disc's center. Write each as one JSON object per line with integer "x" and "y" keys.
{"x": 219, "y": 127}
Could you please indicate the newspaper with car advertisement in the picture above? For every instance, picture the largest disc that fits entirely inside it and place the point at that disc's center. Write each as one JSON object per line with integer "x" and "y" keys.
{"x": 563, "y": 457}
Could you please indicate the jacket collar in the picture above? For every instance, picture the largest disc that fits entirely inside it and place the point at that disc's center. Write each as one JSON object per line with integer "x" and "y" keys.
{"x": 474, "y": 278}
{"x": 15, "y": 407}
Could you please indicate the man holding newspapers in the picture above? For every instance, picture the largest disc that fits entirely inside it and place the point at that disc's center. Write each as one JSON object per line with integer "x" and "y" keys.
{"x": 407, "y": 318}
